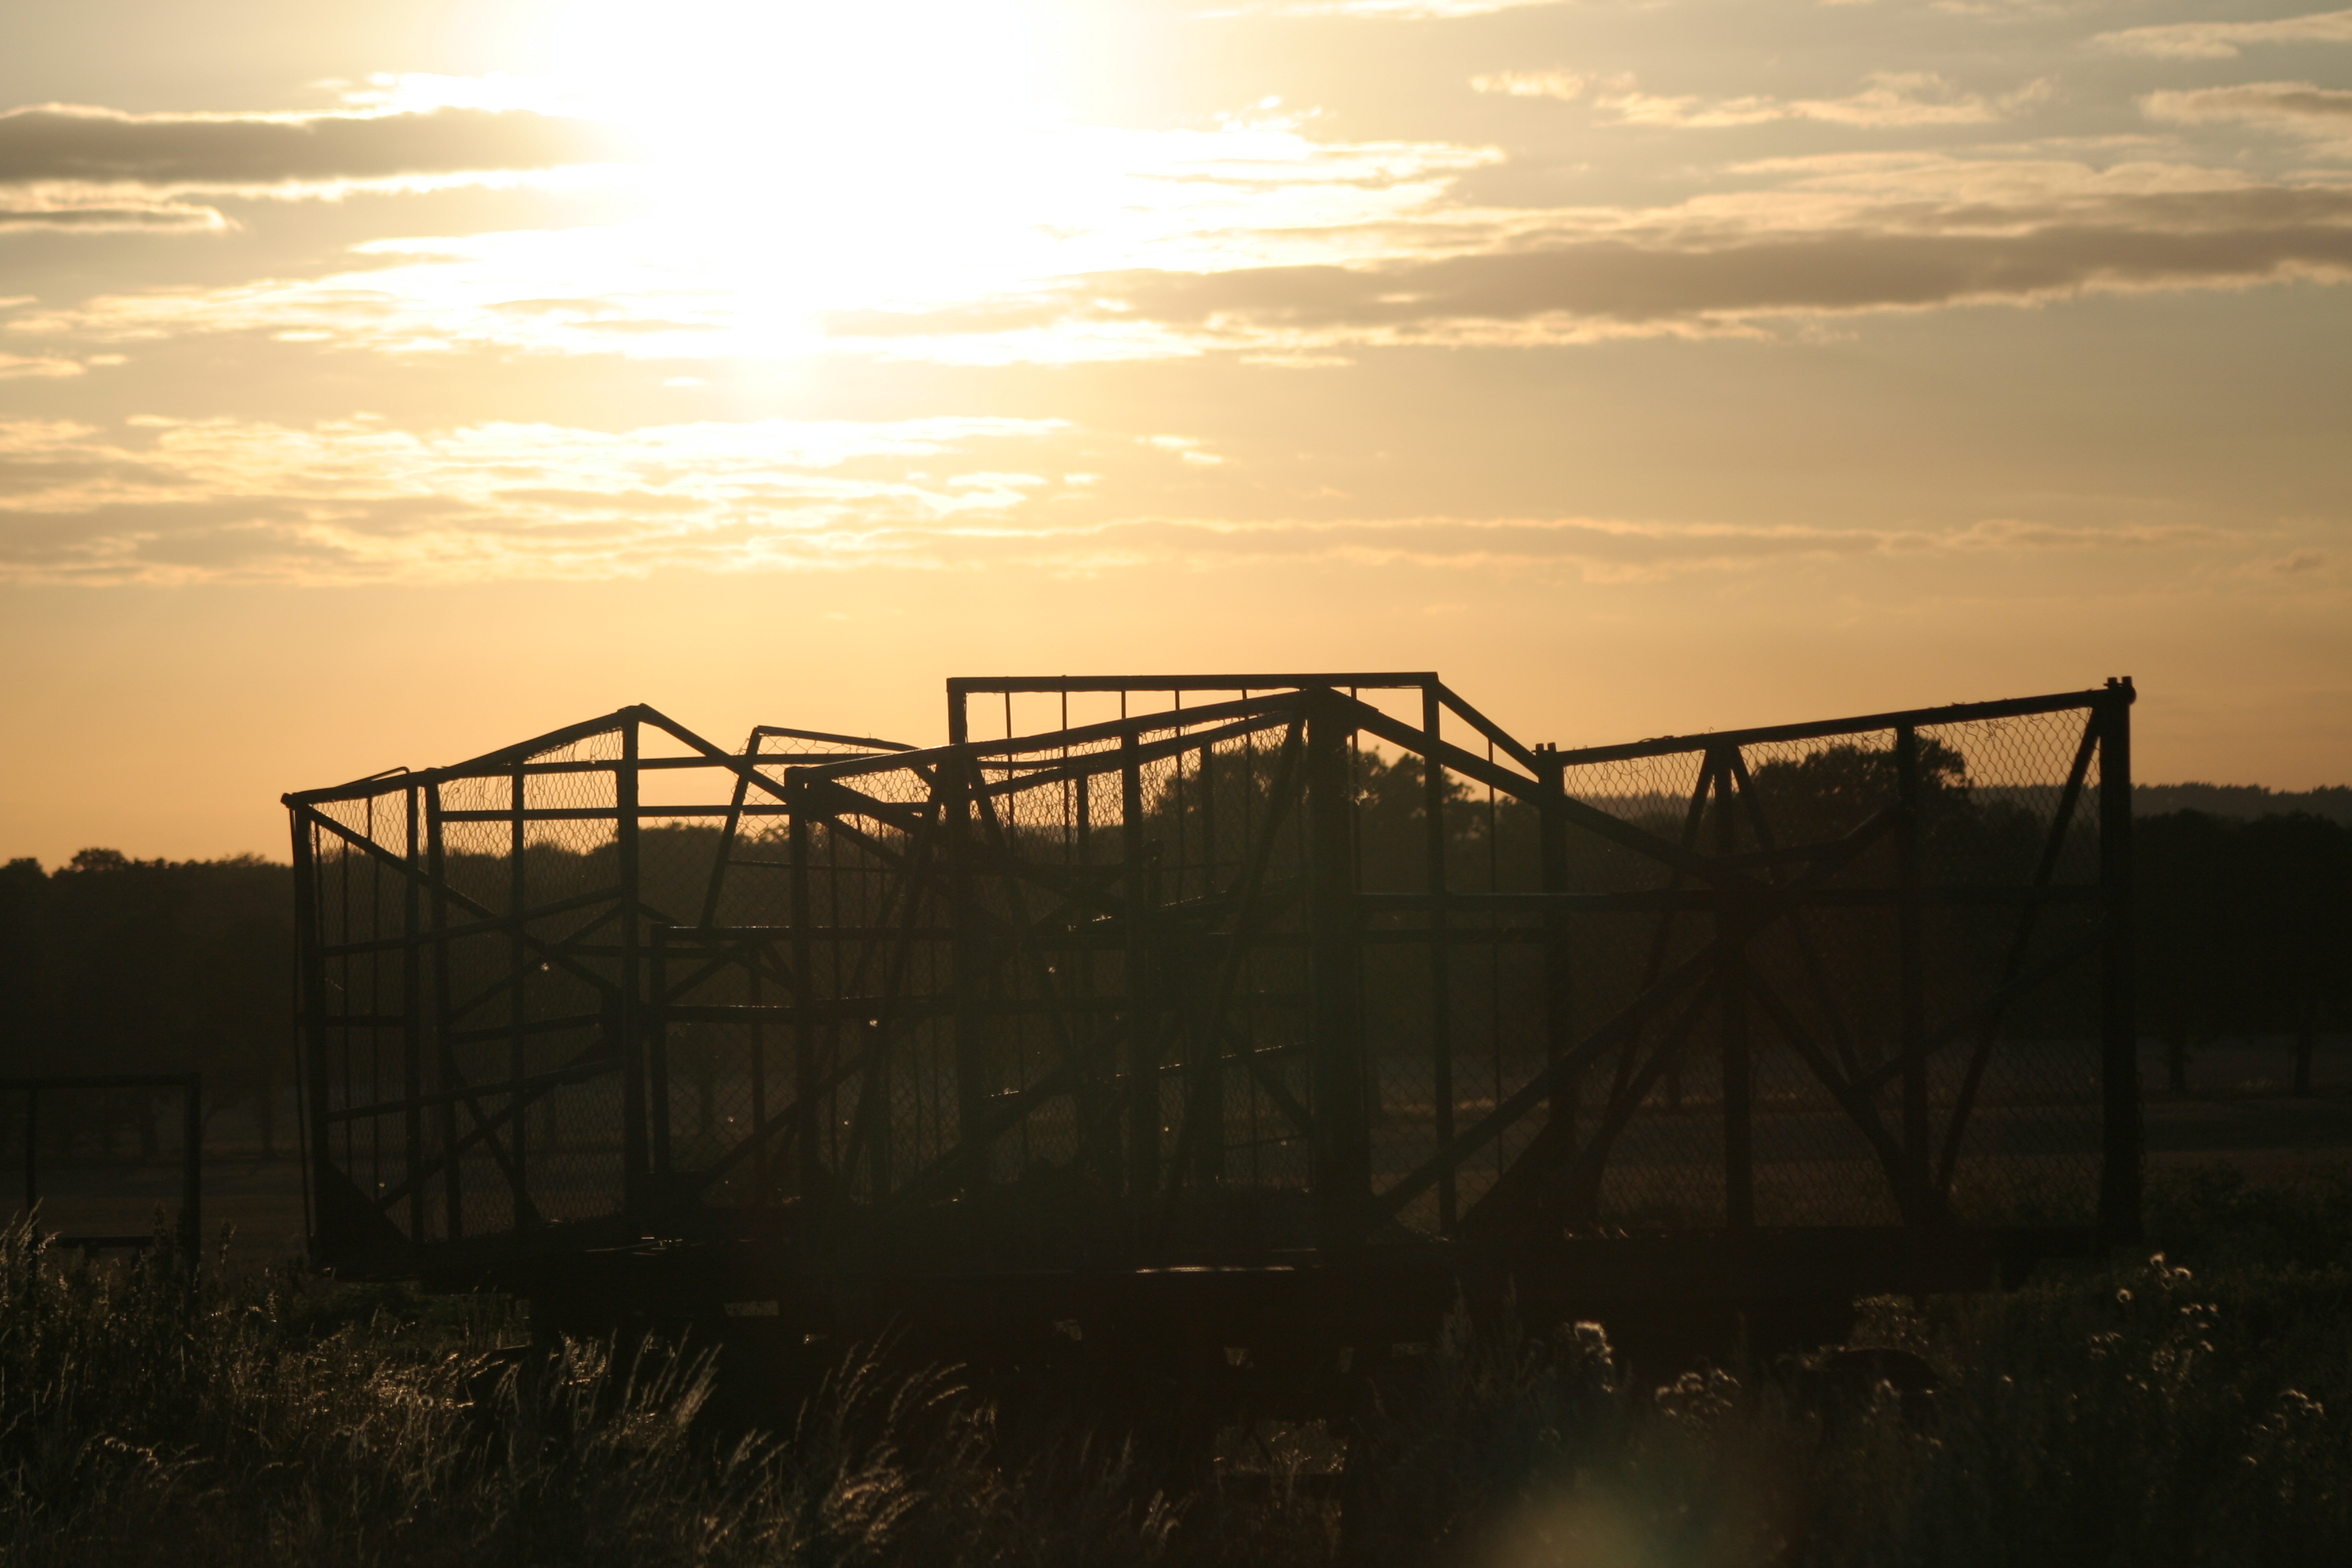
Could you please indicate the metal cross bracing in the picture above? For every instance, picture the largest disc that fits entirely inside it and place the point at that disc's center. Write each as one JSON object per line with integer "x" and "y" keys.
{"x": 1238, "y": 991}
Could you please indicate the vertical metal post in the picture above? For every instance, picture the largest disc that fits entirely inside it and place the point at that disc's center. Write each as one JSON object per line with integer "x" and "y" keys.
{"x": 1142, "y": 1038}
{"x": 959, "y": 723}
{"x": 2119, "y": 1181}
{"x": 636, "y": 1156}
{"x": 1441, "y": 954}
{"x": 1560, "y": 1021}
{"x": 192, "y": 1170}
{"x": 807, "y": 1157}
{"x": 656, "y": 1017}
{"x": 1911, "y": 956}
{"x": 1342, "y": 1137}
{"x": 968, "y": 965}
{"x": 445, "y": 1026}
{"x": 963, "y": 958}
{"x": 519, "y": 993}
{"x": 1206, "y": 1114}
{"x": 1096, "y": 1098}
{"x": 412, "y": 1016}
{"x": 1738, "y": 1066}
{"x": 311, "y": 1009}
{"x": 443, "y": 1035}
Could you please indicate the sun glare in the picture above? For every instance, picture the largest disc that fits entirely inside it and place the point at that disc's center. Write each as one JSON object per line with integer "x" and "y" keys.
{"x": 810, "y": 173}
{"x": 804, "y": 158}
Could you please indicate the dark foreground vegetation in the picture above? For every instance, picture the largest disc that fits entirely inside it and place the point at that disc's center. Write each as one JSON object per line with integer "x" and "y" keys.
{"x": 2192, "y": 1408}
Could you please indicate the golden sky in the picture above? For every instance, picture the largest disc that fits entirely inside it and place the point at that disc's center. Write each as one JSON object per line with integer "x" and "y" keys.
{"x": 382, "y": 382}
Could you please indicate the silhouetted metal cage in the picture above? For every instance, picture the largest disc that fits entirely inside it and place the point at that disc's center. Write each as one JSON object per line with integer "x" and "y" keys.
{"x": 1240, "y": 973}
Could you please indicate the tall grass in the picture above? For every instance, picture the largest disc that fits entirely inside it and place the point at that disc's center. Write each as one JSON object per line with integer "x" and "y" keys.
{"x": 2191, "y": 1408}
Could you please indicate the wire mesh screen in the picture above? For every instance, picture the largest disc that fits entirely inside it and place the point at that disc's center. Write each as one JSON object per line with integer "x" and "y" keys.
{"x": 487, "y": 968}
{"x": 1871, "y": 956}
{"x": 1067, "y": 971}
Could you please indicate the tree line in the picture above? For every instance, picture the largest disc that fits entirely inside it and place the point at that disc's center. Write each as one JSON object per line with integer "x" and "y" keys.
{"x": 110, "y": 965}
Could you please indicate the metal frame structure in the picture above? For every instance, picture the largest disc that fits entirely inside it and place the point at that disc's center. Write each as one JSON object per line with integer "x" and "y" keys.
{"x": 1283, "y": 1004}
{"x": 191, "y": 1086}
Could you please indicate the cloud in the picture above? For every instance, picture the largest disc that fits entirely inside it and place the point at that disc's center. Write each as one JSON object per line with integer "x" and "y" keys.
{"x": 358, "y": 501}
{"x": 1630, "y": 282}
{"x": 704, "y": 281}
{"x": 97, "y": 216}
{"x": 1894, "y": 100}
{"x": 1565, "y": 86}
{"x": 1591, "y": 548}
{"x": 1186, "y": 447}
{"x": 1388, "y": 10}
{"x": 72, "y": 145}
{"x": 2225, "y": 40}
{"x": 2298, "y": 106}
{"x": 1869, "y": 233}
{"x": 1299, "y": 253}
{"x": 15, "y": 366}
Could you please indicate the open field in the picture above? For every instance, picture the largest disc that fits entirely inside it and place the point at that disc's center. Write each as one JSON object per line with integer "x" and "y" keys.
{"x": 2238, "y": 1110}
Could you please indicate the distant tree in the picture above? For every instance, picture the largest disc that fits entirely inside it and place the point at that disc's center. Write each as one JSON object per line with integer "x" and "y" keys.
{"x": 2300, "y": 867}
{"x": 2245, "y": 927}
{"x": 118, "y": 965}
{"x": 1828, "y": 793}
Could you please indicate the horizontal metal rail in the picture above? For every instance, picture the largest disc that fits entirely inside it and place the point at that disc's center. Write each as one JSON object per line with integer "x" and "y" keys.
{"x": 1766, "y": 734}
{"x": 1384, "y": 680}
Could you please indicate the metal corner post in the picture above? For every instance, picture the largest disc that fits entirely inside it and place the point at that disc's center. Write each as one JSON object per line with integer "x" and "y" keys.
{"x": 1335, "y": 1025}
{"x": 309, "y": 1018}
{"x": 635, "y": 1154}
{"x": 967, "y": 964}
{"x": 412, "y": 1012}
{"x": 1559, "y": 976}
{"x": 807, "y": 1162}
{"x": 1738, "y": 1061}
{"x": 1142, "y": 1018}
{"x": 435, "y": 865}
{"x": 1910, "y": 955}
{"x": 2119, "y": 1184}
{"x": 1440, "y": 956}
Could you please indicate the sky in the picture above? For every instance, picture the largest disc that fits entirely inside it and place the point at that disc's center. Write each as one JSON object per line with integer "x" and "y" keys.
{"x": 383, "y": 382}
